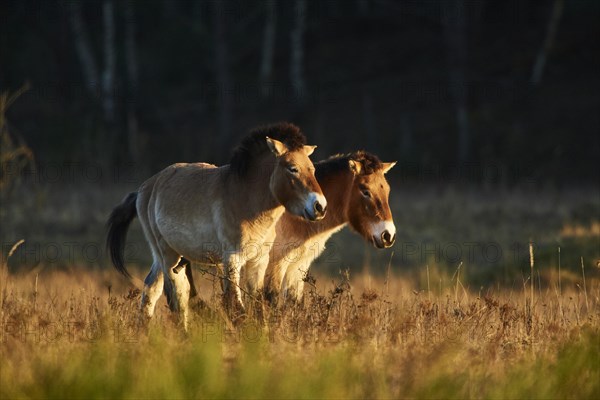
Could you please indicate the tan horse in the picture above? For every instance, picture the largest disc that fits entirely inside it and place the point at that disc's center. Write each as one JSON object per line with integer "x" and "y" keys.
{"x": 357, "y": 192}
{"x": 210, "y": 214}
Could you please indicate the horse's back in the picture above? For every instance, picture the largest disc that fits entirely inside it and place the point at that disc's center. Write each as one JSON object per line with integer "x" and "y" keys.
{"x": 189, "y": 178}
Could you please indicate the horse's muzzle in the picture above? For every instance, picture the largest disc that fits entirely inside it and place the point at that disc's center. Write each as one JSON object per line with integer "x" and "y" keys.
{"x": 384, "y": 235}
{"x": 388, "y": 239}
{"x": 316, "y": 214}
{"x": 319, "y": 210}
{"x": 316, "y": 207}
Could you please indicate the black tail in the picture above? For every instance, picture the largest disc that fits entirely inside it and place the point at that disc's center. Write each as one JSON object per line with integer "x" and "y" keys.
{"x": 118, "y": 222}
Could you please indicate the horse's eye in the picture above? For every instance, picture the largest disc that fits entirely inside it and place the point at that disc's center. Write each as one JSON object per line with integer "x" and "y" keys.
{"x": 293, "y": 169}
{"x": 366, "y": 193}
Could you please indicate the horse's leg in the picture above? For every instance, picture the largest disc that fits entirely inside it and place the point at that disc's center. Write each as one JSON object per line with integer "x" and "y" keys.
{"x": 255, "y": 275}
{"x": 175, "y": 281}
{"x": 190, "y": 277}
{"x": 248, "y": 279}
{"x": 153, "y": 284}
{"x": 232, "y": 295}
{"x": 153, "y": 287}
{"x": 184, "y": 263}
{"x": 254, "y": 271}
{"x": 263, "y": 260}
{"x": 166, "y": 259}
{"x": 180, "y": 287}
{"x": 273, "y": 279}
{"x": 259, "y": 263}
{"x": 293, "y": 281}
{"x": 279, "y": 258}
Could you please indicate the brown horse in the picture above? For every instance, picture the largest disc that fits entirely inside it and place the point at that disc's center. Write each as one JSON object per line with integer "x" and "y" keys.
{"x": 357, "y": 194}
{"x": 210, "y": 214}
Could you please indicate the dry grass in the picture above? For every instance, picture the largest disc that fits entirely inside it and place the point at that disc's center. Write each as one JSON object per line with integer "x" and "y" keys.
{"x": 75, "y": 334}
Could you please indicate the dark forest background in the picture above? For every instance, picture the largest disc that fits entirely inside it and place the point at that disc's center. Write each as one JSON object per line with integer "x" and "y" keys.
{"x": 503, "y": 91}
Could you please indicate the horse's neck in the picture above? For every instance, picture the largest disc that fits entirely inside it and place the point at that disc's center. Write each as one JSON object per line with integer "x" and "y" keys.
{"x": 336, "y": 189}
{"x": 252, "y": 194}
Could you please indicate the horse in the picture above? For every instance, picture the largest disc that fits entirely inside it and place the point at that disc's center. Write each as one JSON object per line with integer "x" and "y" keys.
{"x": 357, "y": 193}
{"x": 212, "y": 214}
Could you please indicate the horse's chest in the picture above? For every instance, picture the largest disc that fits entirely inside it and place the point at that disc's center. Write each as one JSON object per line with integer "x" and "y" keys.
{"x": 260, "y": 230}
{"x": 315, "y": 246}
{"x": 312, "y": 248}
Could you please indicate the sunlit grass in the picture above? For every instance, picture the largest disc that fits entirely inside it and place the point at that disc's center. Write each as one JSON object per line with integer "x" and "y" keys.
{"x": 70, "y": 340}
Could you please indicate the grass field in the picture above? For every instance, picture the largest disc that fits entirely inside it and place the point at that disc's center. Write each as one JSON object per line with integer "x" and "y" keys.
{"x": 401, "y": 324}
{"x": 64, "y": 336}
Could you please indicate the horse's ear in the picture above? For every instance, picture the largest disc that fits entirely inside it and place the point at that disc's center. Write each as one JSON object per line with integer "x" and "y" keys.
{"x": 278, "y": 148}
{"x": 309, "y": 149}
{"x": 355, "y": 166}
{"x": 387, "y": 166}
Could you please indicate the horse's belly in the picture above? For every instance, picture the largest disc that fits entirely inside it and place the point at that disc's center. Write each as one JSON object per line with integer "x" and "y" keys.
{"x": 200, "y": 248}
{"x": 198, "y": 242}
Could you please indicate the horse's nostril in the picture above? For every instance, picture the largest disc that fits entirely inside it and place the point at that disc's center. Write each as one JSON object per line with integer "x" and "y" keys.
{"x": 386, "y": 237}
{"x": 319, "y": 208}
{"x": 393, "y": 238}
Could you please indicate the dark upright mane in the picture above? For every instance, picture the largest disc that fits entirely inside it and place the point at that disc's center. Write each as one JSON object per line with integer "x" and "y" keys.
{"x": 255, "y": 144}
{"x": 339, "y": 162}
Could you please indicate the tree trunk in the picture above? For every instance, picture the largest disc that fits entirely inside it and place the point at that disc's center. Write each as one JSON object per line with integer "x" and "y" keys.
{"x": 455, "y": 29}
{"x": 133, "y": 139}
{"x": 268, "y": 48}
{"x": 83, "y": 48}
{"x": 223, "y": 75}
{"x": 108, "y": 76}
{"x": 297, "y": 51}
{"x": 540, "y": 62}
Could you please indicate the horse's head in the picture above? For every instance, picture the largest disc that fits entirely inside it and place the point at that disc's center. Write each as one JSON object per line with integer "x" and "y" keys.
{"x": 368, "y": 210}
{"x": 293, "y": 181}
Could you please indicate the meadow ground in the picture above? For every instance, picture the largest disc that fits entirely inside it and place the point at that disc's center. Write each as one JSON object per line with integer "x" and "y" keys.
{"x": 66, "y": 335}
{"x": 406, "y": 323}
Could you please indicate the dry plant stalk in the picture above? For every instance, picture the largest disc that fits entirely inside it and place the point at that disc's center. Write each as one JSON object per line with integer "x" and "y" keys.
{"x": 559, "y": 282}
{"x": 531, "y": 263}
{"x": 4, "y": 269}
{"x": 587, "y": 304}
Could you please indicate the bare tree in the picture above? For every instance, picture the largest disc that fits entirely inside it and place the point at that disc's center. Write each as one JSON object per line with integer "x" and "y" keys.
{"x": 108, "y": 76}
{"x": 86, "y": 57}
{"x": 268, "y": 48}
{"x": 133, "y": 139}
{"x": 297, "y": 50}
{"x": 222, "y": 73}
{"x": 540, "y": 62}
{"x": 100, "y": 88}
{"x": 454, "y": 19}
{"x": 83, "y": 48}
